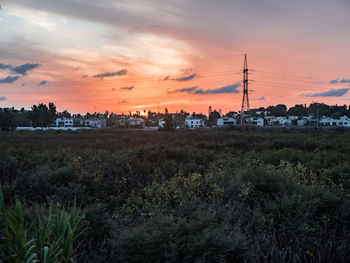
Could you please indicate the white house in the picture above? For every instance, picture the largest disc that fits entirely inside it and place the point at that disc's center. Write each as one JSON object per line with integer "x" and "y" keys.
{"x": 344, "y": 121}
{"x": 136, "y": 121}
{"x": 193, "y": 123}
{"x": 95, "y": 123}
{"x": 226, "y": 121}
{"x": 293, "y": 118}
{"x": 282, "y": 121}
{"x": 269, "y": 119}
{"x": 126, "y": 120}
{"x": 256, "y": 121}
{"x": 161, "y": 123}
{"x": 121, "y": 120}
{"x": 302, "y": 122}
{"x": 307, "y": 120}
{"x": 327, "y": 121}
{"x": 64, "y": 122}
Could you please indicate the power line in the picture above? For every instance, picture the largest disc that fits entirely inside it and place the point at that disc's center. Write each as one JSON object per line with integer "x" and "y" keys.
{"x": 288, "y": 85}
{"x": 300, "y": 62}
{"x": 296, "y": 77}
{"x": 285, "y": 78}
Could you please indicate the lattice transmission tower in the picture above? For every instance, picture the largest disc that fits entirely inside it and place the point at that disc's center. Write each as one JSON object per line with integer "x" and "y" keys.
{"x": 245, "y": 99}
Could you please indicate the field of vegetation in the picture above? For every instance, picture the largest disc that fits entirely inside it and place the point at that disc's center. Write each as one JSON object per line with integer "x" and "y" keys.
{"x": 231, "y": 195}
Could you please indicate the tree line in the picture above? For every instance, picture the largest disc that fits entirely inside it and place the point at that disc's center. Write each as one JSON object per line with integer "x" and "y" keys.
{"x": 43, "y": 115}
{"x": 315, "y": 108}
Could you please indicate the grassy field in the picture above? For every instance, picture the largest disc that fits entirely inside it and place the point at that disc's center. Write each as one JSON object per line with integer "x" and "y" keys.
{"x": 234, "y": 195}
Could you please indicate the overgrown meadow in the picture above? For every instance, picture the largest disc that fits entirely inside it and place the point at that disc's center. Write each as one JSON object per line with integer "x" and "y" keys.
{"x": 227, "y": 195}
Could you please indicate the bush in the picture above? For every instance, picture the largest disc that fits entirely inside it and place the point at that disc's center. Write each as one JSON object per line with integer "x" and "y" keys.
{"x": 199, "y": 237}
{"x": 177, "y": 191}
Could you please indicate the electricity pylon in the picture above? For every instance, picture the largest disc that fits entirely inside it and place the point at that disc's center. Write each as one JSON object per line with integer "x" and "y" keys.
{"x": 245, "y": 99}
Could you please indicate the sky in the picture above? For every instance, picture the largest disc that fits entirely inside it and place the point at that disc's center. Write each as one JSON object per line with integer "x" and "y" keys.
{"x": 136, "y": 55}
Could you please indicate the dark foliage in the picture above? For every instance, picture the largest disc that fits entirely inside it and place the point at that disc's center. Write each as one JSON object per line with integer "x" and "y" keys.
{"x": 220, "y": 195}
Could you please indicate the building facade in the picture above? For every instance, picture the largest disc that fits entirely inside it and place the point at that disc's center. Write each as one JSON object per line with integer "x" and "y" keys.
{"x": 194, "y": 123}
{"x": 95, "y": 123}
{"x": 226, "y": 121}
{"x": 64, "y": 122}
{"x": 256, "y": 121}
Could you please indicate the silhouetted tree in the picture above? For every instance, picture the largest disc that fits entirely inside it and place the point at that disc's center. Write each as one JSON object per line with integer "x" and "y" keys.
{"x": 168, "y": 126}
{"x": 52, "y": 110}
{"x": 319, "y": 109}
{"x": 7, "y": 120}
{"x": 278, "y": 110}
{"x": 40, "y": 115}
{"x": 298, "y": 110}
{"x": 213, "y": 118}
{"x": 64, "y": 114}
{"x": 210, "y": 110}
{"x": 22, "y": 119}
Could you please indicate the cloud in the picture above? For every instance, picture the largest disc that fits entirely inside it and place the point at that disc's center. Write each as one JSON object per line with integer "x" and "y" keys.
{"x": 194, "y": 90}
{"x": 189, "y": 90}
{"x": 137, "y": 16}
{"x": 9, "y": 79}
{"x": 338, "y": 80}
{"x": 42, "y": 83}
{"x": 127, "y": 88}
{"x": 329, "y": 93}
{"x": 2, "y": 98}
{"x": 335, "y": 81}
{"x": 4, "y": 66}
{"x": 84, "y": 76}
{"x": 123, "y": 101}
{"x": 227, "y": 89}
{"x": 260, "y": 98}
{"x": 23, "y": 69}
{"x": 111, "y": 74}
{"x": 186, "y": 78}
{"x": 166, "y": 78}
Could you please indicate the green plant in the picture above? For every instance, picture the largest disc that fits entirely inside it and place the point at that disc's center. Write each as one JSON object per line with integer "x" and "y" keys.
{"x": 49, "y": 237}
{"x": 56, "y": 233}
{"x": 15, "y": 245}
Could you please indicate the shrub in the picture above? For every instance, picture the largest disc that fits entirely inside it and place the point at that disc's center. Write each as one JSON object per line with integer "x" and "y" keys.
{"x": 195, "y": 238}
{"x": 177, "y": 191}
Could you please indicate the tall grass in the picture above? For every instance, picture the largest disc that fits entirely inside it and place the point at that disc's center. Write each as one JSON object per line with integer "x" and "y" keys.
{"x": 51, "y": 236}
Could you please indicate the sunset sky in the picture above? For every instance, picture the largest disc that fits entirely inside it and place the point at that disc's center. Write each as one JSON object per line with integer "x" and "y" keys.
{"x": 130, "y": 55}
